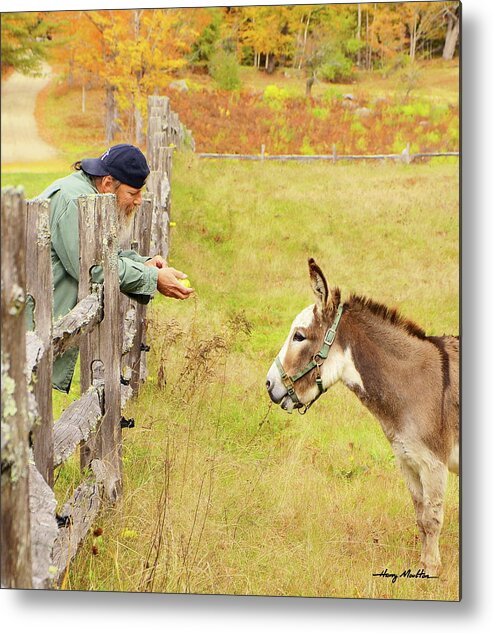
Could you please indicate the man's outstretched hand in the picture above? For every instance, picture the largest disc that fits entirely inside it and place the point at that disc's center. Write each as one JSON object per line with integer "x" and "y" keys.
{"x": 168, "y": 283}
{"x": 157, "y": 262}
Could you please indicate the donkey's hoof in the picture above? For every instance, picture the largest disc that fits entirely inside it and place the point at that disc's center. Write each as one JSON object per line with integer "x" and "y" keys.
{"x": 432, "y": 569}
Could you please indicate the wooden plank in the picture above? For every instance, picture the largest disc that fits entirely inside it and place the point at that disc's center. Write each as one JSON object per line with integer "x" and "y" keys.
{"x": 111, "y": 432}
{"x": 434, "y": 154}
{"x": 82, "y": 510}
{"x": 126, "y": 393}
{"x": 44, "y": 529}
{"x": 153, "y": 188}
{"x": 159, "y": 185}
{"x": 34, "y": 352}
{"x": 39, "y": 284}
{"x": 98, "y": 220}
{"x": 329, "y": 157}
{"x": 127, "y": 309}
{"x": 76, "y": 424}
{"x": 142, "y": 231}
{"x": 129, "y": 328}
{"x": 90, "y": 252}
{"x": 82, "y": 319}
{"x": 15, "y": 520}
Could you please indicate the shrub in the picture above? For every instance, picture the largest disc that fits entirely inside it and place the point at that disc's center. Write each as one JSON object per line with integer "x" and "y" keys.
{"x": 438, "y": 113}
{"x": 275, "y": 96}
{"x": 361, "y": 144}
{"x": 453, "y": 134}
{"x": 337, "y": 67}
{"x": 357, "y": 128}
{"x": 433, "y": 138}
{"x": 399, "y": 144}
{"x": 225, "y": 70}
{"x": 411, "y": 111}
{"x": 320, "y": 113}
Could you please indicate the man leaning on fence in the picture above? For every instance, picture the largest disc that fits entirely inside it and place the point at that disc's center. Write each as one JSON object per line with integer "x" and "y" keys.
{"x": 122, "y": 170}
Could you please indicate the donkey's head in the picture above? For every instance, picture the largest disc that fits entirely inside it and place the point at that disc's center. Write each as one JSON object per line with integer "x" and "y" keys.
{"x": 304, "y": 368}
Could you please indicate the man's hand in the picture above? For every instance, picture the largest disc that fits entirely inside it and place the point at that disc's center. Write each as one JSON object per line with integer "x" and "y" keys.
{"x": 169, "y": 286}
{"x": 157, "y": 262}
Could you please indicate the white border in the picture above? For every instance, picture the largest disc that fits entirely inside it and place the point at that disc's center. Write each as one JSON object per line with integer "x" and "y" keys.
{"x": 49, "y": 611}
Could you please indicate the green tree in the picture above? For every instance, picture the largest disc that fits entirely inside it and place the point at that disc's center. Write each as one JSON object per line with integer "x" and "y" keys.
{"x": 205, "y": 45}
{"x": 25, "y": 42}
{"x": 329, "y": 44}
{"x": 224, "y": 69}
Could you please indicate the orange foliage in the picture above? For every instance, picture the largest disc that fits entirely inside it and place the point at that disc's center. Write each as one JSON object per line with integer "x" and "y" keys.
{"x": 241, "y": 123}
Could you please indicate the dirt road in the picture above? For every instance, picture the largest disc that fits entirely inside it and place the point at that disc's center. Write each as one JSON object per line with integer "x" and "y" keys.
{"x": 20, "y": 139}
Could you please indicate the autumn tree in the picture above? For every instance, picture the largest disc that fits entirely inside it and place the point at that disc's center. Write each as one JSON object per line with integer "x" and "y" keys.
{"x": 423, "y": 21}
{"x": 79, "y": 46}
{"x": 395, "y": 31}
{"x": 451, "y": 14}
{"x": 133, "y": 53}
{"x": 269, "y": 31}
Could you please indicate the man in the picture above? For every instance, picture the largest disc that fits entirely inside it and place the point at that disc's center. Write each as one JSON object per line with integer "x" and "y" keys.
{"x": 122, "y": 170}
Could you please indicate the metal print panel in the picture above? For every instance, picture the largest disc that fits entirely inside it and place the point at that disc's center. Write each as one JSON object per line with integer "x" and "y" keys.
{"x": 230, "y": 300}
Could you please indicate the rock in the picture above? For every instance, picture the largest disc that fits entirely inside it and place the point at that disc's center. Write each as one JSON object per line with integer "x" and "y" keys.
{"x": 349, "y": 105}
{"x": 363, "y": 112}
{"x": 179, "y": 84}
{"x": 348, "y": 96}
{"x": 378, "y": 101}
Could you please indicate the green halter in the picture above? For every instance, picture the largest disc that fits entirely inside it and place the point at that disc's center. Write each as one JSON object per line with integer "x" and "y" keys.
{"x": 315, "y": 363}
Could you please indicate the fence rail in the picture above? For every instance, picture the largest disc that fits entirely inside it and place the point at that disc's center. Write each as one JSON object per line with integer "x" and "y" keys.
{"x": 405, "y": 156}
{"x": 108, "y": 327}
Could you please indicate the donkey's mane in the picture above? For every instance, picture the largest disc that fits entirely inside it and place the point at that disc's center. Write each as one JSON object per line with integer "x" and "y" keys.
{"x": 391, "y": 315}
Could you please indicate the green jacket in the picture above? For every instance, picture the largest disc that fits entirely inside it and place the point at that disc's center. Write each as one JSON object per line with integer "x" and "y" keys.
{"x": 137, "y": 281}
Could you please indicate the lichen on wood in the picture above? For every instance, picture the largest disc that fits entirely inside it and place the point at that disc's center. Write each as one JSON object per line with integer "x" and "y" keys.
{"x": 44, "y": 529}
{"x": 81, "y": 320}
{"x": 76, "y": 424}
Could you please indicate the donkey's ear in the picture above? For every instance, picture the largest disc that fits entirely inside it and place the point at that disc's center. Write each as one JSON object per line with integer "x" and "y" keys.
{"x": 320, "y": 286}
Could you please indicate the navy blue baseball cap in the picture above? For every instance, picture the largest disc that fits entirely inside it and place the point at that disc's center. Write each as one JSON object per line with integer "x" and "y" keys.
{"x": 124, "y": 162}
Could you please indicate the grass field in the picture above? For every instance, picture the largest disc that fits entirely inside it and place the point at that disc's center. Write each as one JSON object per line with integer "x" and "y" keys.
{"x": 224, "y": 493}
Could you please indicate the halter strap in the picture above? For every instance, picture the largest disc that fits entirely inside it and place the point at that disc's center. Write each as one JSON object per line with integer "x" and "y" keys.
{"x": 316, "y": 362}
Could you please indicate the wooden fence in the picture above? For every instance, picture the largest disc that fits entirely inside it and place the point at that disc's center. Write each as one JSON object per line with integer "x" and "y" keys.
{"x": 404, "y": 157}
{"x": 110, "y": 331}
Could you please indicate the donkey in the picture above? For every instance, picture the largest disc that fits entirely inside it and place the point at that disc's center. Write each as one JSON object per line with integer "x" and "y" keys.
{"x": 409, "y": 381}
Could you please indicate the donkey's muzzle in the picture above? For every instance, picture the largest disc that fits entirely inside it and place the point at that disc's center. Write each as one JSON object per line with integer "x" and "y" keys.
{"x": 271, "y": 391}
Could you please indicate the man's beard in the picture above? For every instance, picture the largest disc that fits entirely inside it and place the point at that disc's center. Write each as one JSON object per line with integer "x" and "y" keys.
{"x": 125, "y": 224}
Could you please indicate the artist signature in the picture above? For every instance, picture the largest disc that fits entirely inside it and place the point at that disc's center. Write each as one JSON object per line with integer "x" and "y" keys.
{"x": 420, "y": 573}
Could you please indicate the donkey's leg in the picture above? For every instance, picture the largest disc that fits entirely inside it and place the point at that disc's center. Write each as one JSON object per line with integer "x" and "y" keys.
{"x": 415, "y": 487}
{"x": 434, "y": 480}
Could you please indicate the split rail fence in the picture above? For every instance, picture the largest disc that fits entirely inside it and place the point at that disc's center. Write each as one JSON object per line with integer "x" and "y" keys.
{"x": 404, "y": 157}
{"x": 109, "y": 329}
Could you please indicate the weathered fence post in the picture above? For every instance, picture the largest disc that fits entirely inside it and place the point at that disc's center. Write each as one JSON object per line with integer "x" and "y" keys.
{"x": 159, "y": 152}
{"x": 100, "y": 351}
{"x": 16, "y": 564}
{"x": 142, "y": 233}
{"x": 406, "y": 154}
{"x": 39, "y": 286}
